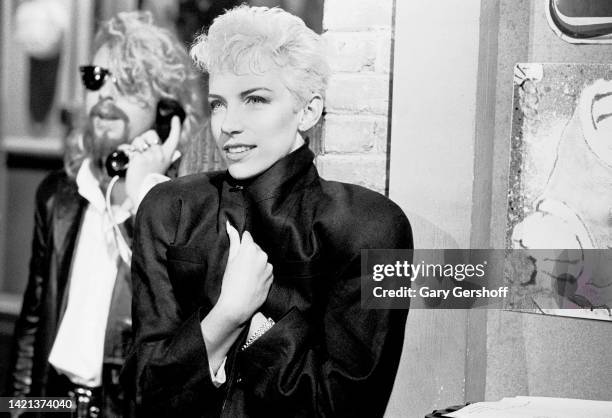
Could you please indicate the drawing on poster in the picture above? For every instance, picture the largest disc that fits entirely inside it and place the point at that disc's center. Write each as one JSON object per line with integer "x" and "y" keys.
{"x": 560, "y": 191}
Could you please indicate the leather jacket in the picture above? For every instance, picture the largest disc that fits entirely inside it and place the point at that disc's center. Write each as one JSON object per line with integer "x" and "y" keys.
{"x": 58, "y": 216}
{"x": 325, "y": 356}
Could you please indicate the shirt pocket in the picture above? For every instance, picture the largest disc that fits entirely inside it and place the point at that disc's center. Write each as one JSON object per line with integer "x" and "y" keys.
{"x": 298, "y": 269}
{"x": 187, "y": 272}
{"x": 296, "y": 284}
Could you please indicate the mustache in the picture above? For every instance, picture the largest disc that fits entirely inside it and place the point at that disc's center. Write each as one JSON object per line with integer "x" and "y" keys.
{"x": 97, "y": 142}
{"x": 106, "y": 109}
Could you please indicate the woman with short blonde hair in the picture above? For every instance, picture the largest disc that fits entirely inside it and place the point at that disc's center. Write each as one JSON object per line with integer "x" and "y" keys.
{"x": 247, "y": 282}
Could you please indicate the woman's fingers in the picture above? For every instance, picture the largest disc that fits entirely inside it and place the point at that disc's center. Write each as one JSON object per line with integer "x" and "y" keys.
{"x": 234, "y": 239}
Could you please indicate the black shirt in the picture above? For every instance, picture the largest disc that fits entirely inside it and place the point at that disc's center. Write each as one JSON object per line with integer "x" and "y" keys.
{"x": 325, "y": 356}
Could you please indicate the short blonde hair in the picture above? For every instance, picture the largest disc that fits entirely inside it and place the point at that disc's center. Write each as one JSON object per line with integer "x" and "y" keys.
{"x": 255, "y": 37}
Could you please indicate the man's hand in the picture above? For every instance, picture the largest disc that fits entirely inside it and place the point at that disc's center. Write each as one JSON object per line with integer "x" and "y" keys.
{"x": 247, "y": 279}
{"x": 150, "y": 156}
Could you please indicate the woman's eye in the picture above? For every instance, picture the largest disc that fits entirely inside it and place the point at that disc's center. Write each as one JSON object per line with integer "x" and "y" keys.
{"x": 215, "y": 105}
{"x": 256, "y": 100}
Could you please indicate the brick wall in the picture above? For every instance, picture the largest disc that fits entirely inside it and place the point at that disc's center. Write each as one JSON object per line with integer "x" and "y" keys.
{"x": 354, "y": 141}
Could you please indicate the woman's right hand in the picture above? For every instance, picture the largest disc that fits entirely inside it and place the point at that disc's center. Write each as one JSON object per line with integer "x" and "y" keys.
{"x": 247, "y": 278}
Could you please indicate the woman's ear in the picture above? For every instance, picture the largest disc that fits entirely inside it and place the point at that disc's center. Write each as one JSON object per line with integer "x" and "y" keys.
{"x": 311, "y": 113}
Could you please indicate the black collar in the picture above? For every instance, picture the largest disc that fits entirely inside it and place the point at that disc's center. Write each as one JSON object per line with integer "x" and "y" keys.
{"x": 282, "y": 177}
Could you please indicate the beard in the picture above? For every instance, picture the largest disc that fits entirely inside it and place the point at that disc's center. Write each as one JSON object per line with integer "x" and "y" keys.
{"x": 107, "y": 128}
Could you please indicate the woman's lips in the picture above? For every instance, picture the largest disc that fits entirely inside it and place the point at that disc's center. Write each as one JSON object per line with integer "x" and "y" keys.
{"x": 237, "y": 152}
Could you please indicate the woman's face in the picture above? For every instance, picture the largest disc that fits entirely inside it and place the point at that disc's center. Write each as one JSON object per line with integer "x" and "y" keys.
{"x": 253, "y": 120}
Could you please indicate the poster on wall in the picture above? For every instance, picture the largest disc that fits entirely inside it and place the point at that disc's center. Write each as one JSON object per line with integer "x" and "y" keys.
{"x": 560, "y": 191}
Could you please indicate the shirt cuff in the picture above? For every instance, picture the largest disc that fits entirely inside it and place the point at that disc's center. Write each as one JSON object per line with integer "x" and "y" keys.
{"x": 219, "y": 378}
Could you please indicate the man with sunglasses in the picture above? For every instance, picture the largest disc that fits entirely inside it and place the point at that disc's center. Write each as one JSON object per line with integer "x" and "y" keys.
{"x": 75, "y": 327}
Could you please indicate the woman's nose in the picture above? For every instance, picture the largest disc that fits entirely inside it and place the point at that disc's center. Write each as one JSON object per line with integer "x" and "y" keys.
{"x": 232, "y": 121}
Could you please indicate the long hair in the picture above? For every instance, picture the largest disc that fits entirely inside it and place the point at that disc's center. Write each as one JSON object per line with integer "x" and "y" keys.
{"x": 149, "y": 61}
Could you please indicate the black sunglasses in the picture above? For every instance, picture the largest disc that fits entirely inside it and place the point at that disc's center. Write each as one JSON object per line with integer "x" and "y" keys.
{"x": 94, "y": 77}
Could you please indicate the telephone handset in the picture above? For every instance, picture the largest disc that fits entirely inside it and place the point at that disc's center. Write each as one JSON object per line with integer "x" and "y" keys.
{"x": 117, "y": 162}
